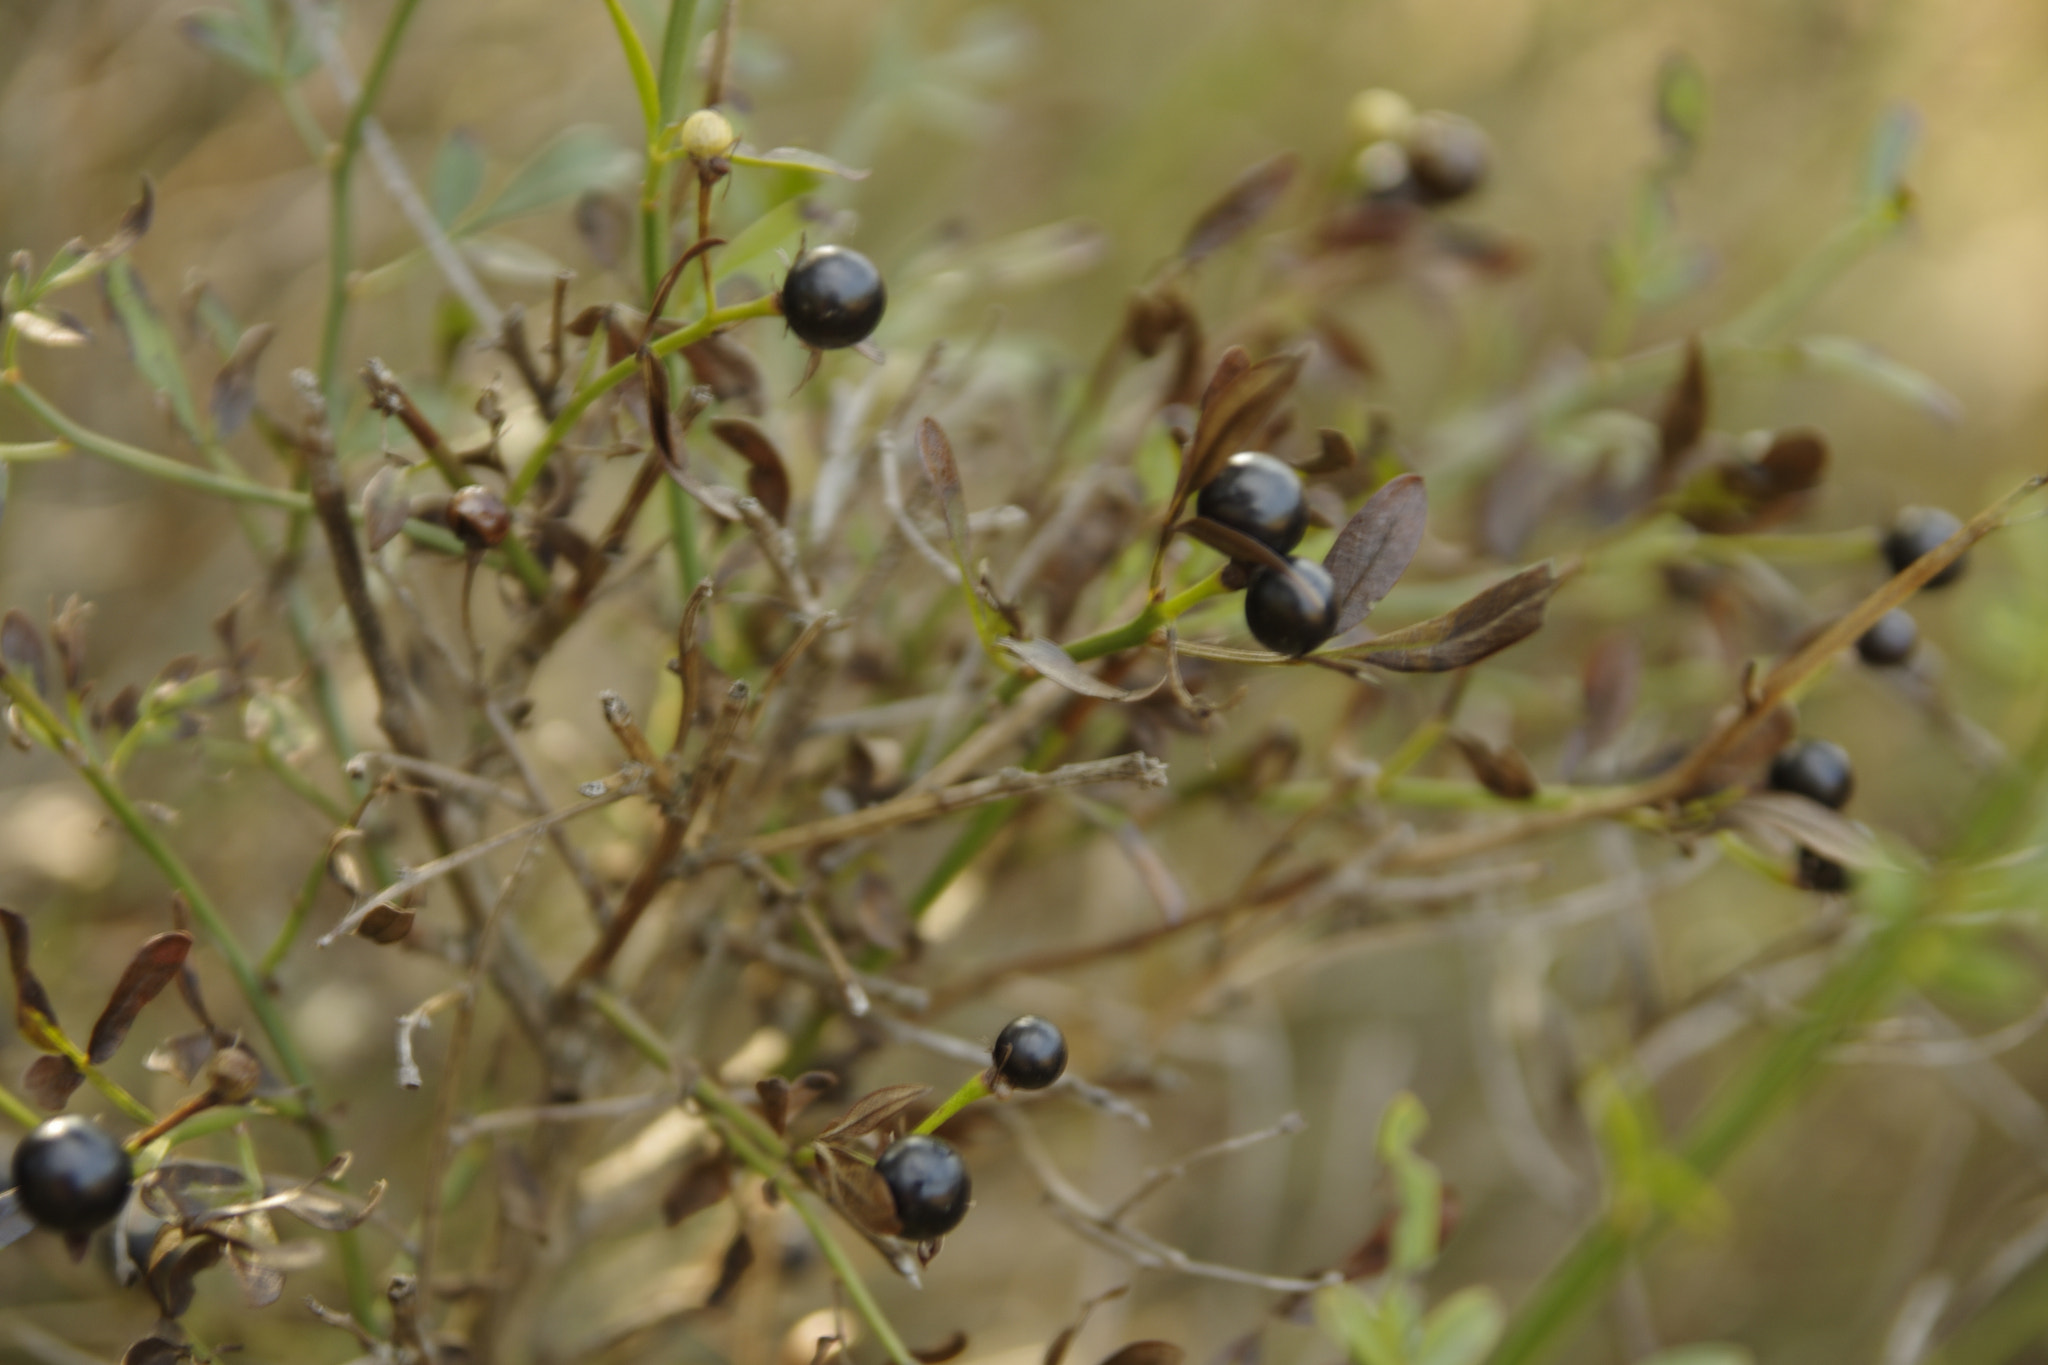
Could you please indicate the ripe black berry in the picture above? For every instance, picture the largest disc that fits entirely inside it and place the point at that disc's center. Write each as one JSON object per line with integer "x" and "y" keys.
{"x": 1257, "y": 495}
{"x": 1030, "y": 1053}
{"x": 833, "y": 297}
{"x": 1447, "y": 157}
{"x": 1816, "y": 769}
{"x": 1291, "y": 613}
{"x": 1821, "y": 874}
{"x": 71, "y": 1176}
{"x": 1890, "y": 642}
{"x": 928, "y": 1183}
{"x": 1914, "y": 532}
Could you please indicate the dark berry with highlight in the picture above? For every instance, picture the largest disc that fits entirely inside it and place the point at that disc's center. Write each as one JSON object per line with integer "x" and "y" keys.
{"x": 833, "y": 297}
{"x": 1291, "y": 613}
{"x": 1258, "y": 496}
{"x": 928, "y": 1183}
{"x": 1817, "y": 769}
{"x": 1030, "y": 1053}
{"x": 71, "y": 1175}
{"x": 1914, "y": 532}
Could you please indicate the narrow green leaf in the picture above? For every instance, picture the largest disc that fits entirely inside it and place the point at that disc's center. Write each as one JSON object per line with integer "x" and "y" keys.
{"x": 1416, "y": 1181}
{"x": 1852, "y": 359}
{"x": 1892, "y": 144}
{"x": 644, "y": 83}
{"x": 1461, "y": 1329}
{"x": 457, "y": 175}
{"x": 578, "y": 159}
{"x": 150, "y": 344}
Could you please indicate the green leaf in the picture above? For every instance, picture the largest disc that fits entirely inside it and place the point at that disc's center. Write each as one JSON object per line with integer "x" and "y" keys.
{"x": 1892, "y": 144}
{"x": 1852, "y": 359}
{"x": 1461, "y": 1329}
{"x": 229, "y": 36}
{"x": 1366, "y": 1328}
{"x": 1420, "y": 1188}
{"x": 150, "y": 344}
{"x": 795, "y": 159}
{"x": 779, "y": 226}
{"x": 457, "y": 175}
{"x": 1682, "y": 104}
{"x": 578, "y": 159}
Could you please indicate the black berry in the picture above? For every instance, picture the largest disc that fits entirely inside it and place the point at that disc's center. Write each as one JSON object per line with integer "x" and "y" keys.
{"x": 833, "y": 297}
{"x": 1030, "y": 1053}
{"x": 1914, "y": 532}
{"x": 1821, "y": 874}
{"x": 71, "y": 1176}
{"x": 1816, "y": 769}
{"x": 1890, "y": 642}
{"x": 928, "y": 1183}
{"x": 1291, "y": 613}
{"x": 1448, "y": 157}
{"x": 1260, "y": 497}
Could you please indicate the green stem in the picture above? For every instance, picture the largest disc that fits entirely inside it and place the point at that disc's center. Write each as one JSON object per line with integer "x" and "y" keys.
{"x": 1155, "y": 616}
{"x": 339, "y": 249}
{"x": 214, "y": 926}
{"x": 14, "y": 1107}
{"x": 975, "y": 1089}
{"x": 294, "y": 920}
{"x": 53, "y": 1038}
{"x": 572, "y": 412}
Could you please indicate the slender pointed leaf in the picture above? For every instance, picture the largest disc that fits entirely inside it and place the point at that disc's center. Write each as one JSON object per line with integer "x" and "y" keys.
{"x": 1506, "y": 613}
{"x": 152, "y": 968}
{"x": 1375, "y": 547}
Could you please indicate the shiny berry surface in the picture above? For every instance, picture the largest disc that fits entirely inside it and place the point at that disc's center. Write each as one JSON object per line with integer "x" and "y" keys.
{"x": 1448, "y": 157}
{"x": 1257, "y": 496}
{"x": 928, "y": 1182}
{"x": 1816, "y": 769}
{"x": 71, "y": 1176}
{"x": 1890, "y": 642}
{"x": 1914, "y": 532}
{"x": 1030, "y": 1053}
{"x": 833, "y": 297}
{"x": 1291, "y": 613}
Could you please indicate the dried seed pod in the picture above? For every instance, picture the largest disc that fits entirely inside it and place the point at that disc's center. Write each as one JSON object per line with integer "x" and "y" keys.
{"x": 479, "y": 517}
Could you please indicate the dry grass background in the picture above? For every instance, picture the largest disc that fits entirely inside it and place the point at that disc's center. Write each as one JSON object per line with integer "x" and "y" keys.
{"x": 1130, "y": 116}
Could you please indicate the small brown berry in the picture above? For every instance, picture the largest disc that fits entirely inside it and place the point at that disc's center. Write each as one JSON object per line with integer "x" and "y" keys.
{"x": 479, "y": 517}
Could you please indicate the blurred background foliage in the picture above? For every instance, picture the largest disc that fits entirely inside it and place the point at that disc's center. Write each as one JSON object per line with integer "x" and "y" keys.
{"x": 1121, "y": 121}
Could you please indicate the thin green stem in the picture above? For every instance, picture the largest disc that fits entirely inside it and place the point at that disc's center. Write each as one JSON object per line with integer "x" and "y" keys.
{"x": 53, "y": 1039}
{"x": 572, "y": 411}
{"x": 340, "y": 252}
{"x": 975, "y": 1089}
{"x": 294, "y": 920}
{"x": 1155, "y": 616}
{"x": 14, "y": 1107}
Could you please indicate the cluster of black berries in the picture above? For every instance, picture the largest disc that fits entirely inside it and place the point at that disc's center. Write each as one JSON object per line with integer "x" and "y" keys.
{"x": 71, "y": 1176}
{"x": 1290, "y": 612}
{"x": 927, "y": 1180}
{"x": 1913, "y": 533}
{"x": 1428, "y": 159}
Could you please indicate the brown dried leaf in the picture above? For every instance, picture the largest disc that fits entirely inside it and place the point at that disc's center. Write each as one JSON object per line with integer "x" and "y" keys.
{"x": 720, "y": 363}
{"x": 739, "y": 1258}
{"x": 946, "y": 1350}
{"x": 51, "y": 1081}
{"x": 878, "y": 910}
{"x": 1250, "y": 197}
{"x": 154, "y": 966}
{"x": 1375, "y": 547}
{"x": 944, "y": 472}
{"x": 702, "y": 1184}
{"x": 1502, "y": 771}
{"x": 173, "y": 1269}
{"x": 859, "y": 1192}
{"x": 1230, "y": 541}
{"x": 234, "y": 388}
{"x": 32, "y": 1007}
{"x": 768, "y": 478}
{"x": 1505, "y": 614}
{"x": 1785, "y": 821}
{"x": 1056, "y": 1349}
{"x": 262, "y": 1283}
{"x": 1612, "y": 678}
{"x": 1684, "y": 419}
{"x": 385, "y": 507}
{"x": 1239, "y": 402}
{"x": 654, "y": 374}
{"x": 1147, "y": 1353}
{"x": 1050, "y": 661}
{"x": 774, "y": 1094}
{"x": 1757, "y": 747}
{"x": 873, "y": 1112}
{"x": 21, "y": 648}
{"x": 1334, "y": 453}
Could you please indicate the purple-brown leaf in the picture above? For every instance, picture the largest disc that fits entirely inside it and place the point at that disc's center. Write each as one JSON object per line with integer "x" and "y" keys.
{"x": 1684, "y": 419}
{"x": 51, "y": 1081}
{"x": 1374, "y": 548}
{"x": 32, "y": 1007}
{"x": 1334, "y": 453}
{"x": 234, "y": 388}
{"x": 1502, "y": 770}
{"x": 154, "y": 966}
{"x": 944, "y": 472}
{"x": 21, "y": 648}
{"x": 1506, "y": 613}
{"x": 1050, "y": 661}
{"x": 1250, "y": 197}
{"x": 1147, "y": 1353}
{"x": 1239, "y": 402}
{"x": 701, "y": 1184}
{"x": 873, "y": 1112}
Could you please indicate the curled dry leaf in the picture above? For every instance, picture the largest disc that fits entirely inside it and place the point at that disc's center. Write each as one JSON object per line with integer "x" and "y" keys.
{"x": 952, "y": 1347}
{"x": 944, "y": 472}
{"x": 720, "y": 363}
{"x": 873, "y": 1112}
{"x": 1240, "y": 400}
{"x": 1375, "y": 547}
{"x": 1505, "y": 614}
{"x": 1228, "y": 540}
{"x": 32, "y": 1007}
{"x": 55, "y": 328}
{"x": 1502, "y": 771}
{"x": 1739, "y": 495}
{"x": 1250, "y": 197}
{"x": 1684, "y": 418}
{"x": 768, "y": 476}
{"x": 155, "y": 965}
{"x": 858, "y": 1191}
{"x": 234, "y": 388}
{"x": 1783, "y": 822}
{"x": 154, "y": 1351}
{"x": 385, "y": 507}
{"x": 1050, "y": 661}
{"x": 21, "y": 649}
{"x": 738, "y": 1259}
{"x": 1334, "y": 453}
{"x": 699, "y": 1186}
{"x": 654, "y": 375}
{"x": 1146, "y": 1353}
